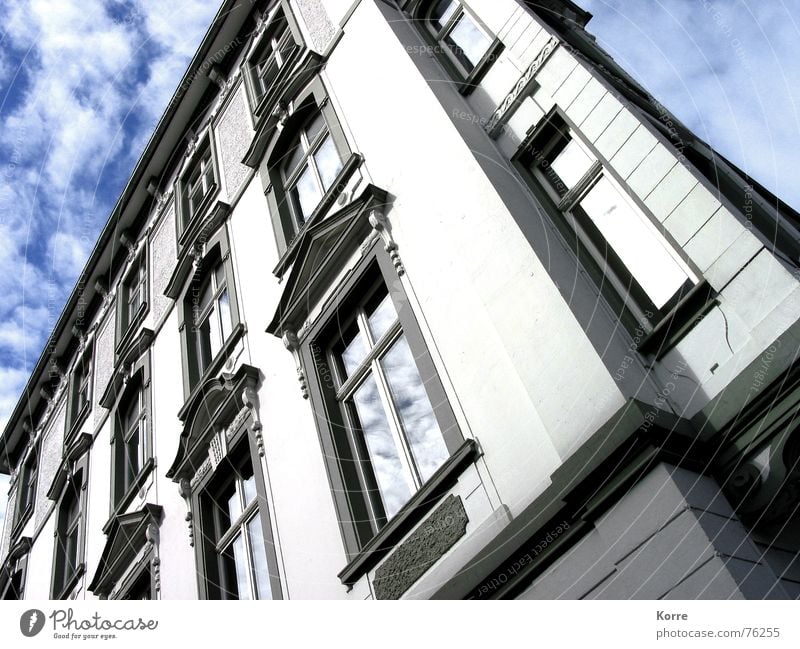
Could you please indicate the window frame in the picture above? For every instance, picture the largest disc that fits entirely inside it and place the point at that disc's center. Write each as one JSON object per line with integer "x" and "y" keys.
{"x": 314, "y": 98}
{"x": 208, "y": 551}
{"x": 76, "y": 416}
{"x": 127, "y": 322}
{"x": 24, "y": 510}
{"x": 62, "y": 585}
{"x": 139, "y": 387}
{"x": 260, "y": 102}
{"x": 217, "y": 249}
{"x": 362, "y": 534}
{"x": 186, "y": 219}
{"x": 621, "y": 291}
{"x": 466, "y": 80}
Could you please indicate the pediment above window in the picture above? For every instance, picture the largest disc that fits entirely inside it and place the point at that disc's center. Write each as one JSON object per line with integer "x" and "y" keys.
{"x": 123, "y": 368}
{"x": 215, "y": 405}
{"x": 126, "y": 537}
{"x": 322, "y": 251}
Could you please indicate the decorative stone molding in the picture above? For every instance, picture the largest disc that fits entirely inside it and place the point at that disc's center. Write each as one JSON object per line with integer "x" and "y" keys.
{"x": 185, "y": 490}
{"x": 153, "y": 536}
{"x": 426, "y": 545}
{"x": 506, "y": 108}
{"x": 379, "y": 223}
{"x": 281, "y": 113}
{"x": 128, "y": 243}
{"x": 250, "y": 400}
{"x": 219, "y": 78}
{"x": 217, "y": 448}
{"x": 292, "y": 343}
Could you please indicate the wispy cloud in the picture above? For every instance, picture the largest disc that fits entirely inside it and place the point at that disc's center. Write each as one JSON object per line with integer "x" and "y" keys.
{"x": 727, "y": 68}
{"x": 83, "y": 84}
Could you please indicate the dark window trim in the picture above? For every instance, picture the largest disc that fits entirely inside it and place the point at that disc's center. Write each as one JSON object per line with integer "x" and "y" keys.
{"x": 78, "y": 481}
{"x": 353, "y": 511}
{"x": 241, "y": 445}
{"x": 314, "y": 97}
{"x": 186, "y": 225}
{"x": 23, "y": 515}
{"x": 140, "y": 381}
{"x": 679, "y": 315}
{"x": 217, "y": 248}
{"x": 125, "y": 331}
{"x": 464, "y": 83}
{"x": 76, "y": 419}
{"x": 131, "y": 579}
{"x": 260, "y": 106}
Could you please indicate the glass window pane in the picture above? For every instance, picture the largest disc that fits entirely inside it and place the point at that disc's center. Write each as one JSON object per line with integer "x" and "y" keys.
{"x": 225, "y": 314}
{"x": 259, "y": 552}
{"x": 249, "y": 489}
{"x": 307, "y": 193}
{"x": 571, "y": 164}
{"x": 132, "y": 466}
{"x": 468, "y": 42}
{"x": 215, "y": 338}
{"x": 328, "y": 162}
{"x": 643, "y": 250}
{"x": 414, "y": 409}
{"x": 203, "y": 341}
{"x": 352, "y": 349}
{"x": 206, "y": 293}
{"x": 294, "y": 159}
{"x": 234, "y": 504}
{"x": 242, "y": 572}
{"x": 442, "y": 12}
{"x": 393, "y": 481}
{"x": 315, "y": 127}
{"x": 381, "y": 317}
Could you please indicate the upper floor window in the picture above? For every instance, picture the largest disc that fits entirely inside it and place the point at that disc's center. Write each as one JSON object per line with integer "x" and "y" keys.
{"x": 79, "y": 396}
{"x": 197, "y": 184}
{"x": 26, "y": 487}
{"x": 238, "y": 555}
{"x": 212, "y": 321}
{"x": 465, "y": 45}
{"x": 69, "y": 538}
{"x": 132, "y": 303}
{"x": 131, "y": 443}
{"x": 632, "y": 253}
{"x": 310, "y": 168}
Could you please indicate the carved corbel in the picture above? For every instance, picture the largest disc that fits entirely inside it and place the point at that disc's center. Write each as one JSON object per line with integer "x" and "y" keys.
{"x": 281, "y": 113}
{"x": 250, "y": 400}
{"x": 218, "y": 77}
{"x": 197, "y": 257}
{"x": 185, "y": 490}
{"x": 153, "y": 536}
{"x": 80, "y": 334}
{"x": 379, "y": 223}
{"x": 128, "y": 243}
{"x": 152, "y": 186}
{"x": 292, "y": 343}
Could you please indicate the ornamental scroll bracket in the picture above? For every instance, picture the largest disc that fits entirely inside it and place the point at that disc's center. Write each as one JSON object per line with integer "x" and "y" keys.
{"x": 250, "y": 400}
{"x": 153, "y": 537}
{"x": 292, "y": 343}
{"x": 185, "y": 490}
{"x": 512, "y": 100}
{"x": 380, "y": 223}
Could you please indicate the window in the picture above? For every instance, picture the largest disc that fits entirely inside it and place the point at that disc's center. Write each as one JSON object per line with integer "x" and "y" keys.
{"x": 273, "y": 55}
{"x": 212, "y": 320}
{"x": 78, "y": 405}
{"x": 236, "y": 554}
{"x": 141, "y": 588}
{"x": 309, "y": 169}
{"x": 68, "y": 539}
{"x": 381, "y": 401}
{"x": 134, "y": 295}
{"x": 465, "y": 45}
{"x": 197, "y": 184}
{"x": 131, "y": 451}
{"x": 633, "y": 255}
{"x": 26, "y": 488}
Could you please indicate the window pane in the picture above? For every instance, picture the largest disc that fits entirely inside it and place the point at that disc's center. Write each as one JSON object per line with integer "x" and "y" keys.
{"x": 315, "y": 127}
{"x": 643, "y": 250}
{"x": 70, "y": 554}
{"x": 132, "y": 466}
{"x": 234, "y": 504}
{"x": 293, "y": 160}
{"x": 203, "y": 342}
{"x": 215, "y": 338}
{"x": 249, "y": 489}
{"x": 571, "y": 164}
{"x": 259, "y": 551}
{"x": 384, "y": 455}
{"x": 467, "y": 42}
{"x": 328, "y": 162}
{"x": 352, "y": 349}
{"x": 225, "y": 314}
{"x": 381, "y": 317}
{"x": 242, "y": 572}
{"x": 442, "y": 12}
{"x": 307, "y": 194}
{"x": 414, "y": 409}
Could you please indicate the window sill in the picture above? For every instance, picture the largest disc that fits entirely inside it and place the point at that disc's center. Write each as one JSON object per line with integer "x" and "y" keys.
{"x": 126, "y": 499}
{"x": 71, "y": 582}
{"x": 410, "y": 515}
{"x": 20, "y": 523}
{"x": 214, "y": 367}
{"x": 676, "y": 324}
{"x": 326, "y": 202}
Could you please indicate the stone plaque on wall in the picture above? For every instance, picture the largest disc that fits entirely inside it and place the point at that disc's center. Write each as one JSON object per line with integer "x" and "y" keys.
{"x": 429, "y": 542}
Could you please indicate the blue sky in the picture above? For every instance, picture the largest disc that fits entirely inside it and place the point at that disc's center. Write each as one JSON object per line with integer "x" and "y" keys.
{"x": 82, "y": 84}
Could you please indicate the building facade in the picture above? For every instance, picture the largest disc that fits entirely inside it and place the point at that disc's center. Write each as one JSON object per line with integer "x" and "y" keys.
{"x": 419, "y": 299}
